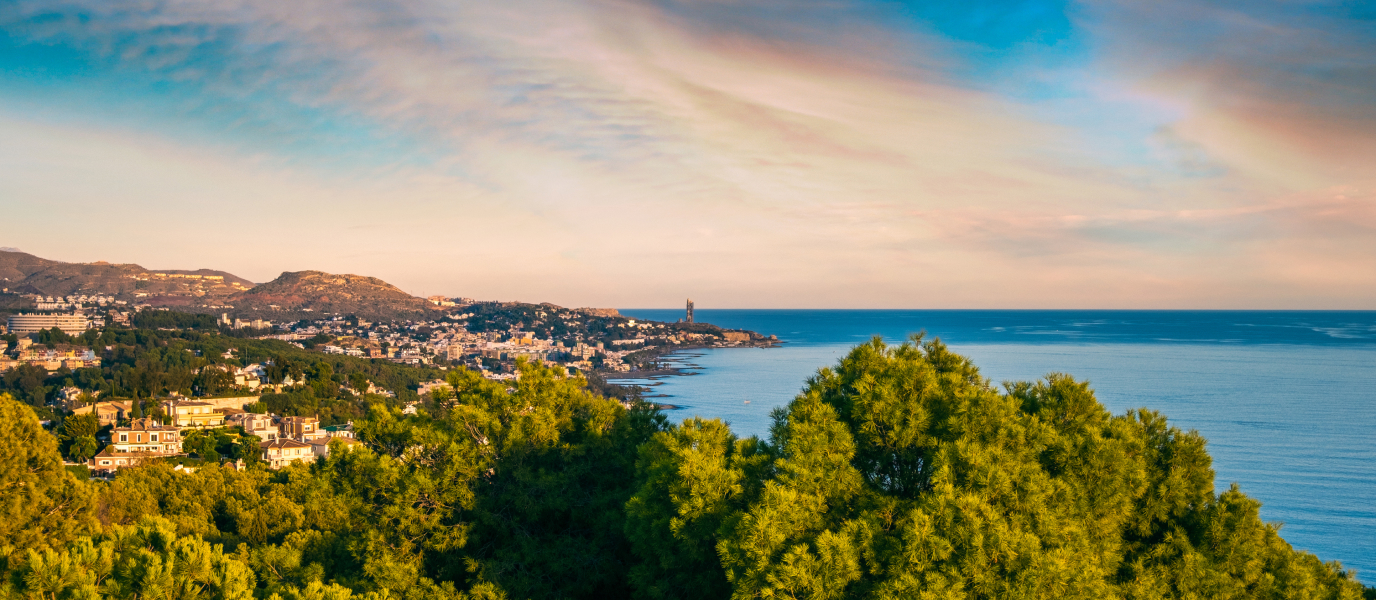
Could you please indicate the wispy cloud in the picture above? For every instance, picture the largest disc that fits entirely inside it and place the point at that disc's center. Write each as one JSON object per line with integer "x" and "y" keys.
{"x": 763, "y": 153}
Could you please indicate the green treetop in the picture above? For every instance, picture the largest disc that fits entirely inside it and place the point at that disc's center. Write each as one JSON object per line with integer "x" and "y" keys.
{"x": 41, "y": 504}
{"x": 903, "y": 473}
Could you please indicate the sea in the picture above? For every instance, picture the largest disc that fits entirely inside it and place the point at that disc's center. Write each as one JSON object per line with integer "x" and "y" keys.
{"x": 1286, "y": 399}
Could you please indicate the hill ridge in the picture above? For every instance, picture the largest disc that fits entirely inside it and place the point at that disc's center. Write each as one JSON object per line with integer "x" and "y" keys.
{"x": 209, "y": 290}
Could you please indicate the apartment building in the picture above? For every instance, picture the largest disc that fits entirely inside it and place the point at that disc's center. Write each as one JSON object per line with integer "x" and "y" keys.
{"x": 26, "y": 324}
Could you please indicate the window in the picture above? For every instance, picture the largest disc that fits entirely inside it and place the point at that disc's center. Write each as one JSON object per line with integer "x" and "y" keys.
{"x": 153, "y": 437}
{"x": 123, "y": 437}
{"x": 104, "y": 462}
{"x": 140, "y": 438}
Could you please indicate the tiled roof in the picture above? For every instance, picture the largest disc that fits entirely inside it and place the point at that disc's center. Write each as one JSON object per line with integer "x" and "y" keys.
{"x": 325, "y": 441}
{"x": 147, "y": 424}
{"x": 283, "y": 443}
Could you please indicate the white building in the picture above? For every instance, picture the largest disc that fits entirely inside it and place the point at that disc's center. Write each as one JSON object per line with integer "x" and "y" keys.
{"x": 26, "y": 324}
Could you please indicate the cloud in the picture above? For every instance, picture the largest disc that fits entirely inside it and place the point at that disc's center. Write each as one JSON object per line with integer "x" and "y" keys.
{"x": 1281, "y": 92}
{"x": 776, "y": 153}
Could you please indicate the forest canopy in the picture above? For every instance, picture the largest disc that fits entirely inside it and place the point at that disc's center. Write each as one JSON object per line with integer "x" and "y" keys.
{"x": 898, "y": 473}
{"x": 150, "y": 363}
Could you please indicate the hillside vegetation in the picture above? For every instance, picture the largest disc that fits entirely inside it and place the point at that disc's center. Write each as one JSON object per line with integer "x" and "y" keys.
{"x": 898, "y": 473}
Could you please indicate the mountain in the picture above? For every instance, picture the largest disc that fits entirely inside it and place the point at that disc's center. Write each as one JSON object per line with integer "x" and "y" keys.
{"x": 16, "y": 265}
{"x": 319, "y": 292}
{"x": 27, "y": 274}
{"x": 292, "y": 295}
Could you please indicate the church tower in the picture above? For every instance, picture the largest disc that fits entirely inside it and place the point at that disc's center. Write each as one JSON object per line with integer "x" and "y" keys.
{"x": 689, "y": 318}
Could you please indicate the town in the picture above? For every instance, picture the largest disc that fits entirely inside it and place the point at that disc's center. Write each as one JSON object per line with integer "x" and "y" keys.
{"x": 254, "y": 390}
{"x": 486, "y": 336}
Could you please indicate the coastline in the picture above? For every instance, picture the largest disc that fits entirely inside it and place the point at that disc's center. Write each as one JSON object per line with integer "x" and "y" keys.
{"x": 644, "y": 380}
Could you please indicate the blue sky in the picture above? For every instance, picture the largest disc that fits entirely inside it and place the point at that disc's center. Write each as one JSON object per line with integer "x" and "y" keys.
{"x": 770, "y": 153}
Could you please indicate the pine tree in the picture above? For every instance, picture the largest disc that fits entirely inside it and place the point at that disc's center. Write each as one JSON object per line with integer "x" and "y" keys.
{"x": 903, "y": 473}
{"x": 42, "y": 505}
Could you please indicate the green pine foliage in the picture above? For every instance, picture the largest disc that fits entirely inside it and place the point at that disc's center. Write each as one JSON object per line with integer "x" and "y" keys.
{"x": 899, "y": 473}
{"x": 902, "y": 473}
{"x": 42, "y": 505}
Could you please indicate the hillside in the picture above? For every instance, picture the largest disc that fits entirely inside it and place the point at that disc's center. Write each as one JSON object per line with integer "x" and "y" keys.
{"x": 27, "y": 274}
{"x": 15, "y": 266}
{"x": 292, "y": 295}
{"x": 319, "y": 292}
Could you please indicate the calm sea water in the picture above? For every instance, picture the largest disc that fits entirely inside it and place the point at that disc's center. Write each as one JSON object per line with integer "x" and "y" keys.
{"x": 1287, "y": 400}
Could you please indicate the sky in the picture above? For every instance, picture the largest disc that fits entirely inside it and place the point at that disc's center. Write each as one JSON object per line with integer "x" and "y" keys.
{"x": 744, "y": 153}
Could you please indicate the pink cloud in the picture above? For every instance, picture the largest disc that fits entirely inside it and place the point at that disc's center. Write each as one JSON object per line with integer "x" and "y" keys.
{"x": 591, "y": 140}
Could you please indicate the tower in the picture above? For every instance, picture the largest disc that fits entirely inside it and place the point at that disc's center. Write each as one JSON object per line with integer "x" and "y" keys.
{"x": 689, "y": 318}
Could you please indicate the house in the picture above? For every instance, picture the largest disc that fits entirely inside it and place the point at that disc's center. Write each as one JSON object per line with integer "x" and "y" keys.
{"x": 142, "y": 440}
{"x": 303, "y": 429}
{"x": 251, "y": 376}
{"x": 109, "y": 461}
{"x": 72, "y": 398}
{"x": 193, "y": 414}
{"x": 63, "y": 355}
{"x": 255, "y": 424}
{"x": 346, "y": 430}
{"x": 430, "y": 386}
{"x": 107, "y": 413}
{"x": 146, "y": 435}
{"x": 238, "y": 402}
{"x": 321, "y": 446}
{"x": 281, "y": 452}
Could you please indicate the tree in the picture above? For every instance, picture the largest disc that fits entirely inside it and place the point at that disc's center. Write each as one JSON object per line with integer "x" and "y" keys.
{"x": 83, "y": 448}
{"x": 77, "y": 427}
{"x": 202, "y": 444}
{"x": 692, "y": 478}
{"x": 902, "y": 472}
{"x": 147, "y": 560}
{"x": 42, "y": 505}
{"x": 248, "y": 449}
{"x": 26, "y": 382}
{"x": 359, "y": 382}
{"x": 52, "y": 337}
